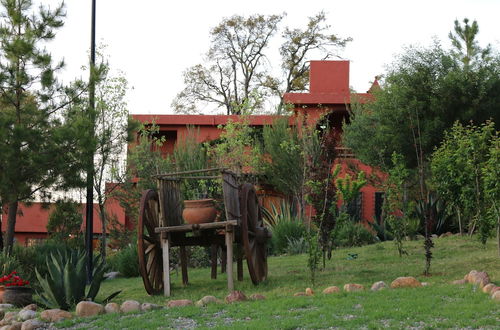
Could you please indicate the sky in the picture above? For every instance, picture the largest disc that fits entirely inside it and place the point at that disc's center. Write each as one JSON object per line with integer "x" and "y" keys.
{"x": 153, "y": 41}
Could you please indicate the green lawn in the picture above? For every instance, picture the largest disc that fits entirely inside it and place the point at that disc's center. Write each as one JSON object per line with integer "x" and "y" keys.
{"x": 439, "y": 305}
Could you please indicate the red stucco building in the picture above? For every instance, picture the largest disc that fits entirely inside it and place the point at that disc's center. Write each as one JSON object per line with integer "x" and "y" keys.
{"x": 329, "y": 95}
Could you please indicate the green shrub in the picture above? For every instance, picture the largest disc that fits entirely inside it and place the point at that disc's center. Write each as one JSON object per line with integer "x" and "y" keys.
{"x": 285, "y": 231}
{"x": 125, "y": 261}
{"x": 349, "y": 233}
{"x": 296, "y": 246}
{"x": 65, "y": 284}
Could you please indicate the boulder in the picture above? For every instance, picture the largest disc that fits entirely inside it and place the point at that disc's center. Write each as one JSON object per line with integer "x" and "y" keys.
{"x": 495, "y": 289}
{"x": 13, "y": 326}
{"x": 462, "y": 281}
{"x": 112, "y": 308}
{"x": 9, "y": 317}
{"x": 207, "y": 300}
{"x": 378, "y": 286}
{"x": 179, "y": 303}
{"x": 6, "y": 306}
{"x": 299, "y": 294}
{"x": 447, "y": 234}
{"x": 88, "y": 308}
{"x": 331, "y": 289}
{"x": 257, "y": 296}
{"x": 351, "y": 287}
{"x": 479, "y": 278}
{"x": 496, "y": 295}
{"x": 309, "y": 292}
{"x": 488, "y": 287}
{"x": 32, "y": 307}
{"x": 129, "y": 306}
{"x": 405, "y": 282}
{"x": 149, "y": 307}
{"x": 55, "y": 315}
{"x": 33, "y": 324}
{"x": 235, "y": 296}
{"x": 26, "y": 314}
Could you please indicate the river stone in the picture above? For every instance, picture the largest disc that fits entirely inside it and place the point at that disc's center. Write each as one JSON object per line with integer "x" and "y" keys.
{"x": 208, "y": 300}
{"x": 112, "y": 308}
{"x": 55, "y": 315}
{"x": 496, "y": 295}
{"x": 14, "y": 326}
{"x": 26, "y": 314}
{"x": 378, "y": 286}
{"x": 6, "y": 306}
{"x": 179, "y": 303}
{"x": 88, "y": 308}
{"x": 9, "y": 317}
{"x": 331, "y": 289}
{"x": 475, "y": 277}
{"x": 351, "y": 287}
{"x": 32, "y": 307}
{"x": 235, "y": 296}
{"x": 149, "y": 307}
{"x": 405, "y": 282}
{"x": 462, "y": 281}
{"x": 33, "y": 324}
{"x": 309, "y": 292}
{"x": 487, "y": 288}
{"x": 129, "y": 306}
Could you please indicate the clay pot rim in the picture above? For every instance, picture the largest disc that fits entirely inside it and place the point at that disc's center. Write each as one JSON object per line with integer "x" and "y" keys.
{"x": 207, "y": 202}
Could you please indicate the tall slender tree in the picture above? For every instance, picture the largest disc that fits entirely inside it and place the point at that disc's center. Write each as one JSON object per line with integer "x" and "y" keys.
{"x": 40, "y": 124}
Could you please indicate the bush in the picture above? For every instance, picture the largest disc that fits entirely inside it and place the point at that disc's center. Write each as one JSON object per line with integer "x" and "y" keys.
{"x": 349, "y": 233}
{"x": 125, "y": 261}
{"x": 286, "y": 231}
{"x": 296, "y": 246}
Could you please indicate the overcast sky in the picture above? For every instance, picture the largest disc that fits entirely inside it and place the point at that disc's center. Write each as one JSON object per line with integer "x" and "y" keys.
{"x": 154, "y": 41}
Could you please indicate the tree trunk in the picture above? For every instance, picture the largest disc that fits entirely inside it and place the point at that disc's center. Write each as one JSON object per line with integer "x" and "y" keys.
{"x": 102, "y": 215}
{"x": 11, "y": 224}
{"x": 459, "y": 221}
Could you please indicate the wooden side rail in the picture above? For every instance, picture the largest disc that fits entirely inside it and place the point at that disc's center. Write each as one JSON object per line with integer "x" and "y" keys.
{"x": 196, "y": 227}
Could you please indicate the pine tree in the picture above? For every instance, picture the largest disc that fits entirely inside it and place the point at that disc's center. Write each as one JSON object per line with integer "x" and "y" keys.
{"x": 40, "y": 123}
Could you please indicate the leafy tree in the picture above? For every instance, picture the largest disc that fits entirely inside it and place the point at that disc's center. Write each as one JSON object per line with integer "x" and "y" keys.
{"x": 113, "y": 131}
{"x": 491, "y": 173}
{"x": 65, "y": 221}
{"x": 235, "y": 71}
{"x": 41, "y": 139}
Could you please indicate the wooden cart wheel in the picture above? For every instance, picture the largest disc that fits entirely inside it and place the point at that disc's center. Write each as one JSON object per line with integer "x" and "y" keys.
{"x": 253, "y": 234}
{"x": 149, "y": 243}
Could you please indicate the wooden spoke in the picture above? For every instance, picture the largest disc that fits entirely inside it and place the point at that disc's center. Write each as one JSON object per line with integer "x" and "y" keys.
{"x": 148, "y": 243}
{"x": 251, "y": 226}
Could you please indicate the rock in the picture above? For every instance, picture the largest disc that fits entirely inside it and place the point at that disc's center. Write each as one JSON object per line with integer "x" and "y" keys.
{"x": 351, "y": 287}
{"x": 447, "y": 234}
{"x": 299, "y": 294}
{"x": 26, "y": 314}
{"x": 331, "y": 289}
{"x": 495, "y": 289}
{"x": 496, "y": 295}
{"x": 149, "y": 307}
{"x": 207, "y": 300}
{"x": 55, "y": 315}
{"x": 235, "y": 296}
{"x": 31, "y": 307}
{"x": 257, "y": 296}
{"x": 425, "y": 283}
{"x": 88, "y": 308}
{"x": 434, "y": 236}
{"x": 480, "y": 278}
{"x": 6, "y": 306}
{"x": 9, "y": 317}
{"x": 112, "y": 275}
{"x": 33, "y": 324}
{"x": 129, "y": 306}
{"x": 462, "y": 281}
{"x": 179, "y": 303}
{"x": 378, "y": 286}
{"x": 112, "y": 308}
{"x": 405, "y": 282}
{"x": 487, "y": 288}
{"x": 309, "y": 292}
{"x": 13, "y": 326}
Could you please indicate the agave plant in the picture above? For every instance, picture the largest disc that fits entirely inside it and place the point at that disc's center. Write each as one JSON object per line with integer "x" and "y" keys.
{"x": 276, "y": 215}
{"x": 65, "y": 284}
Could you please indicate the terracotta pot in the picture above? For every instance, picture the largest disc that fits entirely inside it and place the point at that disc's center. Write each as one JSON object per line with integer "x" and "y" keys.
{"x": 2, "y": 290}
{"x": 19, "y": 296}
{"x": 199, "y": 211}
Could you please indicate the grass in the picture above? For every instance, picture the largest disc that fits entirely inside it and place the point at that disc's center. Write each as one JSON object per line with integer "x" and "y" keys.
{"x": 439, "y": 305}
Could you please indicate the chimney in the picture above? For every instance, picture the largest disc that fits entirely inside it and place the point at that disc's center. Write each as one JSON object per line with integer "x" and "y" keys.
{"x": 329, "y": 77}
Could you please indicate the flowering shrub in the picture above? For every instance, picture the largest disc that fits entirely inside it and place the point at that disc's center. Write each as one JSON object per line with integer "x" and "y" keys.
{"x": 13, "y": 280}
